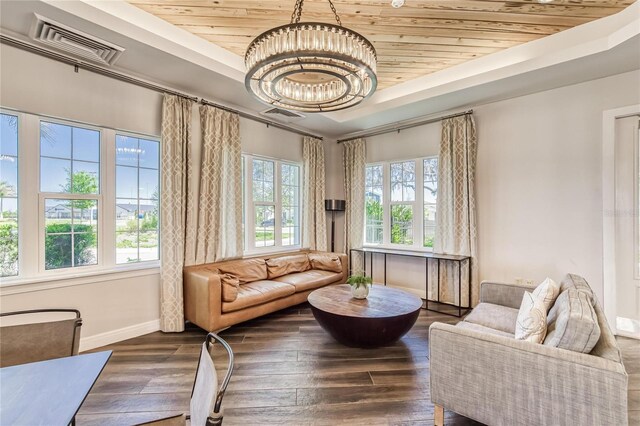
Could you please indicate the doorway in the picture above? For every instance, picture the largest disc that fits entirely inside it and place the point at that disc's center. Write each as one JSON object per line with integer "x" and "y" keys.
{"x": 627, "y": 226}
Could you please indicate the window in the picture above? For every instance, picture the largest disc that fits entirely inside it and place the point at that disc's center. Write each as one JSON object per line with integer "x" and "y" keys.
{"x": 399, "y": 212}
{"x": 403, "y": 196}
{"x": 70, "y": 166}
{"x": 273, "y": 192}
{"x": 430, "y": 174}
{"x": 88, "y": 199}
{"x": 373, "y": 204}
{"x": 8, "y": 195}
{"x": 137, "y": 195}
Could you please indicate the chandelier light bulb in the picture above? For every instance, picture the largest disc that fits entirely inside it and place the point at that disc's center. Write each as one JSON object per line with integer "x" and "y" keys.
{"x": 397, "y": 3}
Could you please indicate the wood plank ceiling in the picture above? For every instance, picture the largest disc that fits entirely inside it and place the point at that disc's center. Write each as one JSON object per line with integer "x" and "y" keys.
{"x": 417, "y": 39}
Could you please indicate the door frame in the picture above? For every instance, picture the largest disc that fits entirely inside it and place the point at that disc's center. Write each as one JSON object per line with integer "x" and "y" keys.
{"x": 608, "y": 208}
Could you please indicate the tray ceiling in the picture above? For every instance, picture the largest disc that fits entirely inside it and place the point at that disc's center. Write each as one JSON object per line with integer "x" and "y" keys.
{"x": 417, "y": 39}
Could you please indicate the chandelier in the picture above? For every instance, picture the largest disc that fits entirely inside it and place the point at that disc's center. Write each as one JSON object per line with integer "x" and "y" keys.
{"x": 311, "y": 66}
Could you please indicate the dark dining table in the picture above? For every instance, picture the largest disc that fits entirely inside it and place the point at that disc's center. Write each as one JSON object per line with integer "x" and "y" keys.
{"x": 48, "y": 392}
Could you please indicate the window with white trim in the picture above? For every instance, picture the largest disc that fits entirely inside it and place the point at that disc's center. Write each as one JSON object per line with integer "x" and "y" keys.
{"x": 271, "y": 207}
{"x": 79, "y": 179}
{"x": 8, "y": 195}
{"x": 400, "y": 203}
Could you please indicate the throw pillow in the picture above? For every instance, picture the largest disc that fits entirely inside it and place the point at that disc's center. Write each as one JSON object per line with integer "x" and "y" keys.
{"x": 230, "y": 285}
{"x": 547, "y": 291}
{"x": 326, "y": 262}
{"x": 531, "y": 323}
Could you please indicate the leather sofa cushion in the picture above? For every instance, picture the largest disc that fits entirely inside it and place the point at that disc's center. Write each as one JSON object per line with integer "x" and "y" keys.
{"x": 230, "y": 285}
{"x": 303, "y": 281}
{"x": 279, "y": 266}
{"x": 247, "y": 270}
{"x": 498, "y": 317}
{"x": 326, "y": 262}
{"x": 572, "y": 323}
{"x": 258, "y": 292}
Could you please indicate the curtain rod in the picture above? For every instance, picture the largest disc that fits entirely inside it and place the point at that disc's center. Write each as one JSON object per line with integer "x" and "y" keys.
{"x": 4, "y": 39}
{"x": 406, "y": 126}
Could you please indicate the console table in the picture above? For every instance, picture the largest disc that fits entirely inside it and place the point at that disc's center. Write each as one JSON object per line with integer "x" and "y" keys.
{"x": 426, "y": 256}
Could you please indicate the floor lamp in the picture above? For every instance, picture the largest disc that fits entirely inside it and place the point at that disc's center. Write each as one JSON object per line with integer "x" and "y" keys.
{"x": 333, "y": 206}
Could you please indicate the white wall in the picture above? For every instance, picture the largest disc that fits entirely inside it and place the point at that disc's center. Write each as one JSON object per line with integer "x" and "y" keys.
{"x": 538, "y": 181}
{"x": 120, "y": 305}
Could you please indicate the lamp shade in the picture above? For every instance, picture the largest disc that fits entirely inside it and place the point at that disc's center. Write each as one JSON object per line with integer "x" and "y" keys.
{"x": 334, "y": 205}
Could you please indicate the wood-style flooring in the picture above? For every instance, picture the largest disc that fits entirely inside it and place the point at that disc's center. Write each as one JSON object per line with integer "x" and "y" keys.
{"x": 288, "y": 371}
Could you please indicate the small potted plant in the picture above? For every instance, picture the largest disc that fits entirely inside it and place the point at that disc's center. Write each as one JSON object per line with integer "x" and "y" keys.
{"x": 359, "y": 285}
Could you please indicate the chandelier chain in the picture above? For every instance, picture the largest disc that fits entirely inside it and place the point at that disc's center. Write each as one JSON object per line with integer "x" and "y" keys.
{"x": 297, "y": 12}
{"x": 335, "y": 13}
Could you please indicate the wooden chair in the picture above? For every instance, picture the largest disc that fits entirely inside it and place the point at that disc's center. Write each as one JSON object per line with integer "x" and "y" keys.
{"x": 206, "y": 396}
{"x": 23, "y": 340}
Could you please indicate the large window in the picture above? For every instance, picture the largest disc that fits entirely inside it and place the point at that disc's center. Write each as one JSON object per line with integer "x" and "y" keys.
{"x": 137, "y": 195}
{"x": 8, "y": 195}
{"x": 70, "y": 184}
{"x": 272, "y": 203}
{"x": 88, "y": 198}
{"x": 400, "y": 203}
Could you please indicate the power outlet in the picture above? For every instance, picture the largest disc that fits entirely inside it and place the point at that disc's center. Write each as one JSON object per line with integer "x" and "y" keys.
{"x": 529, "y": 282}
{"x": 519, "y": 280}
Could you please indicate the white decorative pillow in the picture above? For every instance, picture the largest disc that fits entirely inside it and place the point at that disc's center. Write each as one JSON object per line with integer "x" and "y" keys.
{"x": 531, "y": 324}
{"x": 548, "y": 292}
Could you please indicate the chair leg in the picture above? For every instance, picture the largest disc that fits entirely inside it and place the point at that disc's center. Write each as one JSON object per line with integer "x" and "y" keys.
{"x": 439, "y": 415}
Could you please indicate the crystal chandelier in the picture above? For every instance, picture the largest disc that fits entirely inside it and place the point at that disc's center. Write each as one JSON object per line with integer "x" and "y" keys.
{"x": 311, "y": 66}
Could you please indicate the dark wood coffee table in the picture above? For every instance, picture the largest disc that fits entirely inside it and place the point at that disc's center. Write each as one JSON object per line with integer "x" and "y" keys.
{"x": 382, "y": 318}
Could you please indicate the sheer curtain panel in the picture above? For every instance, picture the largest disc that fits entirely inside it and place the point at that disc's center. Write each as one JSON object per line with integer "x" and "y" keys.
{"x": 456, "y": 230}
{"x": 354, "y": 158}
{"x": 175, "y": 168}
{"x": 314, "y": 227}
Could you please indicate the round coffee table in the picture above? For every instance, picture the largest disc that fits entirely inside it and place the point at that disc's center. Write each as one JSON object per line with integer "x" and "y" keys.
{"x": 383, "y": 317}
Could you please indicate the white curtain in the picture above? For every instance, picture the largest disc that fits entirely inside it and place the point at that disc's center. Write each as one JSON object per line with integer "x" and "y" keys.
{"x": 353, "y": 161}
{"x": 219, "y": 201}
{"x": 314, "y": 226}
{"x": 456, "y": 230}
{"x": 175, "y": 168}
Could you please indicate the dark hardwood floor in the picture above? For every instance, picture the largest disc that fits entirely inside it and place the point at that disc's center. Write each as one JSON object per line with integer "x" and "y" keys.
{"x": 288, "y": 371}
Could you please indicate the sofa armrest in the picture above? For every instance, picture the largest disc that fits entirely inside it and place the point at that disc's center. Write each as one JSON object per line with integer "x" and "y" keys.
{"x": 504, "y": 294}
{"x": 502, "y": 381}
{"x": 202, "y": 298}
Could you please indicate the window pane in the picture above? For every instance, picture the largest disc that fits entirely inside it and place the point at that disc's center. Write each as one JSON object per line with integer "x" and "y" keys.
{"x": 401, "y": 224}
{"x": 8, "y": 135}
{"x": 373, "y": 205}
{"x": 148, "y": 184}
{"x": 86, "y": 144}
{"x": 84, "y": 178}
{"x": 55, "y": 140}
{"x": 55, "y": 175}
{"x": 264, "y": 226}
{"x": 137, "y": 189}
{"x": 149, "y": 154}
{"x": 126, "y": 182}
{"x": 126, "y": 151}
{"x": 8, "y": 195}
{"x": 71, "y": 237}
{"x": 70, "y": 159}
{"x": 290, "y": 206}
{"x": 430, "y": 180}
{"x": 263, "y": 181}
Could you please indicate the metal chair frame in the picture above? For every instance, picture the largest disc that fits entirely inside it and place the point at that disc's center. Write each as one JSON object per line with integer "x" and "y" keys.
{"x": 52, "y": 310}
{"x": 211, "y": 337}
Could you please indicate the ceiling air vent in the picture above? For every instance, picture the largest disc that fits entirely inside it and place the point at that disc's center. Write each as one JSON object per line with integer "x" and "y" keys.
{"x": 282, "y": 114}
{"x": 74, "y": 42}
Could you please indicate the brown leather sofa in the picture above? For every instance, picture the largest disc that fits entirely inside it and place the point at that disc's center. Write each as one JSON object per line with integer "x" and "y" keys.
{"x": 218, "y": 295}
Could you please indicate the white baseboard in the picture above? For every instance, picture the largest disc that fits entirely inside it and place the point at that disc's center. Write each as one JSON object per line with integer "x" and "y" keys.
{"x": 114, "y": 336}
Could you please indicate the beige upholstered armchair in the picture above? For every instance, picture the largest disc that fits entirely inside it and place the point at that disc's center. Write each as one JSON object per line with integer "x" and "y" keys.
{"x": 479, "y": 370}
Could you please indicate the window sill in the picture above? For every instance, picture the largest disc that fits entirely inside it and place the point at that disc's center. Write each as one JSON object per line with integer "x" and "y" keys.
{"x": 399, "y": 247}
{"x": 66, "y": 279}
